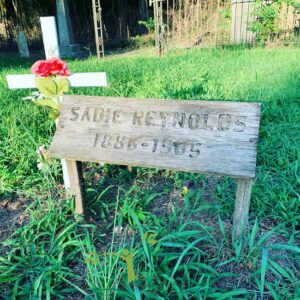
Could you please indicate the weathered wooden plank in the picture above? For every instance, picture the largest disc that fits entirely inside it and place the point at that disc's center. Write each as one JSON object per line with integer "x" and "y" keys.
{"x": 194, "y": 136}
{"x": 242, "y": 204}
{"x": 75, "y": 80}
{"x": 74, "y": 170}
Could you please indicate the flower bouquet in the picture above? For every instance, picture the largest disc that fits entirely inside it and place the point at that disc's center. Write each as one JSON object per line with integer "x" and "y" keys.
{"x": 51, "y": 81}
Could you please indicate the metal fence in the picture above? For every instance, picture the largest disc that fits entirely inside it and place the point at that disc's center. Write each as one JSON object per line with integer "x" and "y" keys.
{"x": 189, "y": 23}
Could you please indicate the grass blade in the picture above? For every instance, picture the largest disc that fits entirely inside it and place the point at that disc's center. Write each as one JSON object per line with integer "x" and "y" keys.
{"x": 264, "y": 261}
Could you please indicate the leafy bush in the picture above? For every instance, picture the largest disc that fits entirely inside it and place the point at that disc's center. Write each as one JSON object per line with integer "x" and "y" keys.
{"x": 141, "y": 41}
{"x": 149, "y": 24}
{"x": 267, "y": 14}
{"x": 265, "y": 24}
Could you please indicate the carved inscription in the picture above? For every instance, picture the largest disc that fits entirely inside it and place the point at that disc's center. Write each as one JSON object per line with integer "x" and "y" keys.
{"x": 193, "y": 121}
{"x": 96, "y": 115}
{"x": 163, "y": 146}
{"x": 195, "y": 136}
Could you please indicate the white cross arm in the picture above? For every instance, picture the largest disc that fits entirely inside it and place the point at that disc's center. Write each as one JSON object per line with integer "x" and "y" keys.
{"x": 76, "y": 80}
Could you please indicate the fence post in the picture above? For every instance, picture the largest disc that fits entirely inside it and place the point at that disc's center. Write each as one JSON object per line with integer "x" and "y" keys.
{"x": 241, "y": 18}
{"x": 159, "y": 25}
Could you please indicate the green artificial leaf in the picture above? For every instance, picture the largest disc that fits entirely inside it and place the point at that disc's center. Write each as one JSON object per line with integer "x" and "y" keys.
{"x": 49, "y": 103}
{"x": 62, "y": 86}
{"x": 53, "y": 114}
{"x": 47, "y": 86}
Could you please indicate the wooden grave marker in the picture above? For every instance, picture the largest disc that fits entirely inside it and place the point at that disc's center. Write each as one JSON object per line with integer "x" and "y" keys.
{"x": 193, "y": 136}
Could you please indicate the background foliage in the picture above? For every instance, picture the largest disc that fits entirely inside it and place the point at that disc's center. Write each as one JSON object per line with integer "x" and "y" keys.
{"x": 266, "y": 25}
{"x": 119, "y": 16}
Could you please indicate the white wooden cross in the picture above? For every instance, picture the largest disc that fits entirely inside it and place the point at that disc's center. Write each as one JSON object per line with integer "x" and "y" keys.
{"x": 71, "y": 169}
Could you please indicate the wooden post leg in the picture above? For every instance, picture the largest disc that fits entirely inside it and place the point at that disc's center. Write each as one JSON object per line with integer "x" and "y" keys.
{"x": 65, "y": 174}
{"x": 242, "y": 203}
{"x": 72, "y": 171}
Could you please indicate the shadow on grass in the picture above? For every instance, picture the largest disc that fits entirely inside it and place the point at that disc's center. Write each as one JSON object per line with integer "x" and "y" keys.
{"x": 7, "y": 62}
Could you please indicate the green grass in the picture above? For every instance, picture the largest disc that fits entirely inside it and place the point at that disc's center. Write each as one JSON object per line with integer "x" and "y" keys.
{"x": 55, "y": 255}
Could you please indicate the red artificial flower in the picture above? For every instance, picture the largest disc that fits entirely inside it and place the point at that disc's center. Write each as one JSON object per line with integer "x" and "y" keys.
{"x": 50, "y": 67}
{"x": 58, "y": 67}
{"x": 40, "y": 68}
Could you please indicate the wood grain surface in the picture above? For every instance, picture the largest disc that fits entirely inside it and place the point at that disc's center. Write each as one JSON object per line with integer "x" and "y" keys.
{"x": 196, "y": 136}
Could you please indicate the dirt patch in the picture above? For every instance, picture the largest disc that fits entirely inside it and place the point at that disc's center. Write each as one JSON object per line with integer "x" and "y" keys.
{"x": 13, "y": 215}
